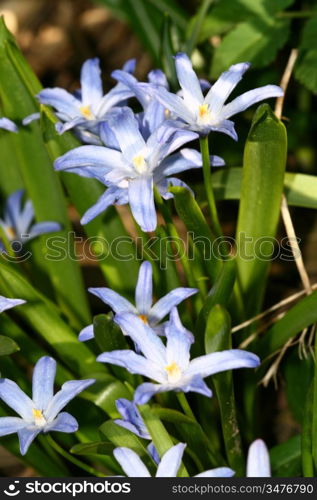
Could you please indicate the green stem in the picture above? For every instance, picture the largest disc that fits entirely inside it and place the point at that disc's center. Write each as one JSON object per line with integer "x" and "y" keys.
{"x": 307, "y": 459}
{"x": 215, "y": 224}
{"x": 314, "y": 411}
{"x": 72, "y": 459}
{"x": 6, "y": 243}
{"x": 173, "y": 234}
{"x": 185, "y": 405}
{"x": 296, "y": 14}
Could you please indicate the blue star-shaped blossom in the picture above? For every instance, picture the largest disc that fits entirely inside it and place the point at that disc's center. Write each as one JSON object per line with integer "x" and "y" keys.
{"x": 133, "y": 466}
{"x": 204, "y": 114}
{"x": 170, "y": 366}
{"x": 85, "y": 110}
{"x": 42, "y": 413}
{"x": 143, "y": 308}
{"x": 17, "y": 221}
{"x": 132, "y": 172}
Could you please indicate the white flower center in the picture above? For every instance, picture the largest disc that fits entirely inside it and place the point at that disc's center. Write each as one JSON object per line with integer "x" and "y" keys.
{"x": 204, "y": 114}
{"x": 39, "y": 420}
{"x": 144, "y": 318}
{"x": 86, "y": 112}
{"x": 140, "y": 164}
{"x": 174, "y": 373}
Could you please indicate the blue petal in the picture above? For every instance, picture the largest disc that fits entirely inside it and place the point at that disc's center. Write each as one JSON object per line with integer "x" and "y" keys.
{"x": 14, "y": 397}
{"x": 188, "y": 81}
{"x": 75, "y": 122}
{"x": 25, "y": 218}
{"x": 171, "y": 181}
{"x": 179, "y": 162}
{"x": 27, "y": 436}
{"x": 63, "y": 423}
{"x": 219, "y": 472}
{"x": 226, "y": 127}
{"x": 44, "y": 228}
{"x": 68, "y": 391}
{"x": 220, "y": 91}
{"x": 141, "y": 200}
{"x": 193, "y": 384}
{"x": 176, "y": 105}
{"x": 134, "y": 363}
{"x": 91, "y": 84}
{"x": 247, "y": 99}
{"x": 144, "y": 289}
{"x": 166, "y": 303}
{"x": 132, "y": 83}
{"x": 126, "y": 130}
{"x": 118, "y": 303}
{"x": 86, "y": 333}
{"x": 179, "y": 341}
{"x": 158, "y": 77}
{"x": 9, "y": 125}
{"x": 171, "y": 461}
{"x": 217, "y": 362}
{"x": 109, "y": 197}
{"x": 130, "y": 462}
{"x": 9, "y": 303}
{"x": 13, "y": 207}
{"x": 10, "y": 425}
{"x": 258, "y": 462}
{"x": 144, "y": 392}
{"x": 90, "y": 161}
{"x": 61, "y": 100}
{"x": 132, "y": 418}
{"x": 145, "y": 338}
{"x": 31, "y": 118}
{"x": 43, "y": 382}
{"x": 152, "y": 451}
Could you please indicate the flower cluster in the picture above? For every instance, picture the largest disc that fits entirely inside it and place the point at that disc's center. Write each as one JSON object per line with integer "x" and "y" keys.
{"x": 135, "y": 156}
{"x": 139, "y": 153}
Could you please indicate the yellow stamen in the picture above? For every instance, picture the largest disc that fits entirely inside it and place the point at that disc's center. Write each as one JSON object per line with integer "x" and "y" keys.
{"x": 86, "y": 112}
{"x": 174, "y": 372}
{"x": 143, "y": 318}
{"x": 10, "y": 233}
{"x": 139, "y": 163}
{"x": 203, "y": 110}
{"x": 38, "y": 417}
{"x": 167, "y": 113}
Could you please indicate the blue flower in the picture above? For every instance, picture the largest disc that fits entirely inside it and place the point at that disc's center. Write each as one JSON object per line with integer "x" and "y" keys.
{"x": 150, "y": 314}
{"x": 133, "y": 466}
{"x": 9, "y": 303}
{"x": 85, "y": 110}
{"x": 132, "y": 172}
{"x": 170, "y": 366}
{"x": 258, "y": 462}
{"x": 210, "y": 113}
{"x": 7, "y": 124}
{"x": 17, "y": 221}
{"x": 42, "y": 413}
{"x": 133, "y": 421}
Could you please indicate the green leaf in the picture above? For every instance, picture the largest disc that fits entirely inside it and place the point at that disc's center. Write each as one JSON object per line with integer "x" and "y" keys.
{"x": 307, "y": 440}
{"x": 218, "y": 338}
{"x": 309, "y": 40}
{"x": 105, "y": 391}
{"x": 299, "y": 189}
{"x": 298, "y": 375}
{"x": 44, "y": 318}
{"x": 220, "y": 292}
{"x": 195, "y": 222}
{"x": 259, "y": 210}
{"x": 7, "y": 346}
{"x": 286, "y": 458}
{"x": 159, "y": 434}
{"x": 195, "y": 27}
{"x": 257, "y": 41}
{"x": 303, "y": 314}
{"x": 119, "y": 436}
{"x": 108, "y": 335}
{"x": 306, "y": 70}
{"x": 94, "y": 448}
{"x": 18, "y": 85}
